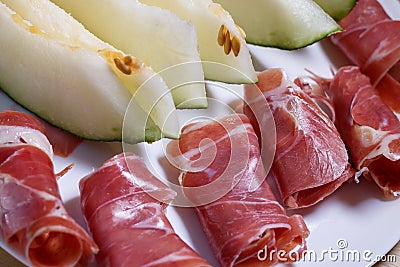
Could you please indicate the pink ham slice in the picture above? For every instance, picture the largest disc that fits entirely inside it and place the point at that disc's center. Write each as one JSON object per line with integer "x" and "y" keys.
{"x": 224, "y": 157}
{"x": 64, "y": 143}
{"x": 124, "y": 206}
{"x": 311, "y": 160}
{"x": 369, "y": 128}
{"x": 371, "y": 40}
{"x": 16, "y": 118}
{"x": 33, "y": 218}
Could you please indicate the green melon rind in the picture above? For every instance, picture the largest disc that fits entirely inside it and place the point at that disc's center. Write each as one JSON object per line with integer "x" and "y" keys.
{"x": 95, "y": 113}
{"x": 337, "y": 9}
{"x": 152, "y": 132}
{"x": 283, "y": 24}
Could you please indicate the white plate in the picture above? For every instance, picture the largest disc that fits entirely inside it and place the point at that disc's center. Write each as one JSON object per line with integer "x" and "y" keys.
{"x": 352, "y": 227}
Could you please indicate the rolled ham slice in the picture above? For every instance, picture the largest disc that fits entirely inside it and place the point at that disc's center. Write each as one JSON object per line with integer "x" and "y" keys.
{"x": 34, "y": 220}
{"x": 371, "y": 40}
{"x": 369, "y": 128}
{"x": 224, "y": 177}
{"x": 124, "y": 207}
{"x": 311, "y": 160}
{"x": 63, "y": 143}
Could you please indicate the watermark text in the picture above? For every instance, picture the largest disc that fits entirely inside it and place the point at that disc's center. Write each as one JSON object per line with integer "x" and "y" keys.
{"x": 340, "y": 253}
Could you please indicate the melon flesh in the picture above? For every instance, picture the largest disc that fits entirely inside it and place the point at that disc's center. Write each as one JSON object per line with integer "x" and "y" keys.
{"x": 219, "y": 62}
{"x": 284, "y": 24}
{"x": 337, "y": 9}
{"x": 58, "y": 70}
{"x": 157, "y": 36}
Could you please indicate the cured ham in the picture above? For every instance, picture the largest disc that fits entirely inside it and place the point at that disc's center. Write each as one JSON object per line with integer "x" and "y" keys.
{"x": 371, "y": 40}
{"x": 224, "y": 177}
{"x": 124, "y": 207}
{"x": 63, "y": 143}
{"x": 33, "y": 218}
{"x": 311, "y": 160}
{"x": 368, "y": 126}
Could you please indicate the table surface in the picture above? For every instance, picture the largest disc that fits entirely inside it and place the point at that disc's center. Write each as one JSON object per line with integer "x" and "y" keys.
{"x": 6, "y": 260}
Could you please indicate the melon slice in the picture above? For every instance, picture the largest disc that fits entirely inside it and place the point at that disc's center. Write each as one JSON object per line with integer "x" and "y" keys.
{"x": 58, "y": 70}
{"x": 223, "y": 48}
{"x": 284, "y": 24}
{"x": 155, "y": 35}
{"x": 337, "y": 9}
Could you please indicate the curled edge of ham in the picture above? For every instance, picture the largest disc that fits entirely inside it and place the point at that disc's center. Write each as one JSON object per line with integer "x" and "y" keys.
{"x": 56, "y": 233}
{"x": 40, "y": 134}
{"x": 371, "y": 41}
{"x": 62, "y": 143}
{"x": 20, "y": 128}
{"x": 373, "y": 138}
{"x": 17, "y": 135}
{"x": 275, "y": 85}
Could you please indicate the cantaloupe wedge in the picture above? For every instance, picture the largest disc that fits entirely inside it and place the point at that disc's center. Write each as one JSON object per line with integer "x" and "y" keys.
{"x": 222, "y": 45}
{"x": 155, "y": 35}
{"x": 53, "y": 66}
